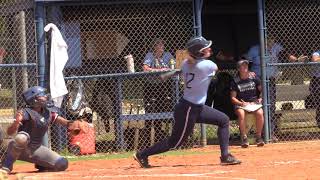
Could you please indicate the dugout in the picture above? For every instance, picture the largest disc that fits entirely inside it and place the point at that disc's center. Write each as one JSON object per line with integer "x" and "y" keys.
{"x": 232, "y": 25}
{"x": 233, "y": 28}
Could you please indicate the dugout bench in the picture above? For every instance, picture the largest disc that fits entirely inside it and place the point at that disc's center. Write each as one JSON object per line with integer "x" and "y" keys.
{"x": 121, "y": 117}
{"x": 297, "y": 116}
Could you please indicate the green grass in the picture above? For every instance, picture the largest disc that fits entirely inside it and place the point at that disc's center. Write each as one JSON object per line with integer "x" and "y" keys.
{"x": 5, "y": 93}
{"x": 129, "y": 155}
{"x": 6, "y": 98}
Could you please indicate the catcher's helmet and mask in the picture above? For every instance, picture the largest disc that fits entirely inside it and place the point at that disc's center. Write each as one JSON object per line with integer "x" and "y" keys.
{"x": 31, "y": 97}
{"x": 196, "y": 45}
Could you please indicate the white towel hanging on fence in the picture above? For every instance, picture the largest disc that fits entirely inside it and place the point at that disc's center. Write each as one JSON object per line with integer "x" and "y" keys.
{"x": 58, "y": 59}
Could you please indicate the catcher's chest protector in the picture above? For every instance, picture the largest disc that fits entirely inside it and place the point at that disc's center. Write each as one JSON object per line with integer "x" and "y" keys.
{"x": 84, "y": 142}
{"x": 37, "y": 125}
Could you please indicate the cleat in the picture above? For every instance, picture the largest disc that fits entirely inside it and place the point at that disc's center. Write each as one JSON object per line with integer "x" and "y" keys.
{"x": 143, "y": 162}
{"x": 229, "y": 160}
{"x": 244, "y": 142}
{"x": 259, "y": 141}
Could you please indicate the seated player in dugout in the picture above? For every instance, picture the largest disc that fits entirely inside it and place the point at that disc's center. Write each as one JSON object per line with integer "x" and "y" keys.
{"x": 246, "y": 90}
{"x": 29, "y": 127}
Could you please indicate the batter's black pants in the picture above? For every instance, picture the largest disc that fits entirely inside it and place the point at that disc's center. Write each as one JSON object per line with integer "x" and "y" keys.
{"x": 186, "y": 114}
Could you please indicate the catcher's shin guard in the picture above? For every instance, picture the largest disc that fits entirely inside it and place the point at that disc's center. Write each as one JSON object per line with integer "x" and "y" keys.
{"x": 15, "y": 147}
{"x": 61, "y": 164}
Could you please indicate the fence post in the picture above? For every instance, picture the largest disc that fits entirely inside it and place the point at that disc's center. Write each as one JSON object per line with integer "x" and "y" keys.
{"x": 119, "y": 130}
{"x": 39, "y": 20}
{"x": 41, "y": 54}
{"x": 197, "y": 6}
{"x": 20, "y": 18}
{"x": 14, "y": 89}
{"x": 262, "y": 35}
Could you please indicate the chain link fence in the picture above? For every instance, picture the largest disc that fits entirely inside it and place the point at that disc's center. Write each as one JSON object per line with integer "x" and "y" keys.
{"x": 127, "y": 105}
{"x": 131, "y": 108}
{"x": 293, "y": 84}
{"x": 17, "y": 59}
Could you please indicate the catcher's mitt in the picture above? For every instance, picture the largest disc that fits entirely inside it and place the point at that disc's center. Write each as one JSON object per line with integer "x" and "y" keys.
{"x": 77, "y": 127}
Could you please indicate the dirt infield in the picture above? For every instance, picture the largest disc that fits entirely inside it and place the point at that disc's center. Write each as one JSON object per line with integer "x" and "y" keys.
{"x": 299, "y": 160}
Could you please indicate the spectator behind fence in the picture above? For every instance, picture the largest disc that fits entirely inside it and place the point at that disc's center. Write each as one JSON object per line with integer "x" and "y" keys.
{"x": 246, "y": 97}
{"x": 157, "y": 58}
{"x": 277, "y": 53}
{"x": 314, "y": 87}
{"x": 158, "y": 95}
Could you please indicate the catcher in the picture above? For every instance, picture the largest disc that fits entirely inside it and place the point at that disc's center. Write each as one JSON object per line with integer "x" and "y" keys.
{"x": 30, "y": 125}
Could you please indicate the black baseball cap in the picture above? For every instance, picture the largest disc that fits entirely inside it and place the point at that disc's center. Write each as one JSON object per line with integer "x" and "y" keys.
{"x": 243, "y": 61}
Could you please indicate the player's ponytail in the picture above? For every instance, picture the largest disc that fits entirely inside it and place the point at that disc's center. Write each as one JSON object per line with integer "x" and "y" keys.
{"x": 190, "y": 58}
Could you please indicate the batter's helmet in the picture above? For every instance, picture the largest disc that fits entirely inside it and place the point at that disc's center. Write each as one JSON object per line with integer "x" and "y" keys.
{"x": 196, "y": 45}
{"x": 30, "y": 96}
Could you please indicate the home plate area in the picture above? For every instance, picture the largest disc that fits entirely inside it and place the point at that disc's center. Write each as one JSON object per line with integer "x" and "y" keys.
{"x": 295, "y": 160}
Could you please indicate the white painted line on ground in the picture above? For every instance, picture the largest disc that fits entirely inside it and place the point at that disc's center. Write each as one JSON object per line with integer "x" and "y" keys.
{"x": 163, "y": 175}
{"x": 195, "y": 175}
{"x": 286, "y": 162}
{"x": 295, "y": 142}
{"x": 279, "y": 163}
{"x": 198, "y": 175}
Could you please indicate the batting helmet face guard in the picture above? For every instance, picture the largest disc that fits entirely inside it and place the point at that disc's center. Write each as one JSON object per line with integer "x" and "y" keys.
{"x": 31, "y": 97}
{"x": 196, "y": 45}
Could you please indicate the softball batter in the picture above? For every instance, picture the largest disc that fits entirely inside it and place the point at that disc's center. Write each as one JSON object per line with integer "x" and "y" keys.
{"x": 197, "y": 73}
